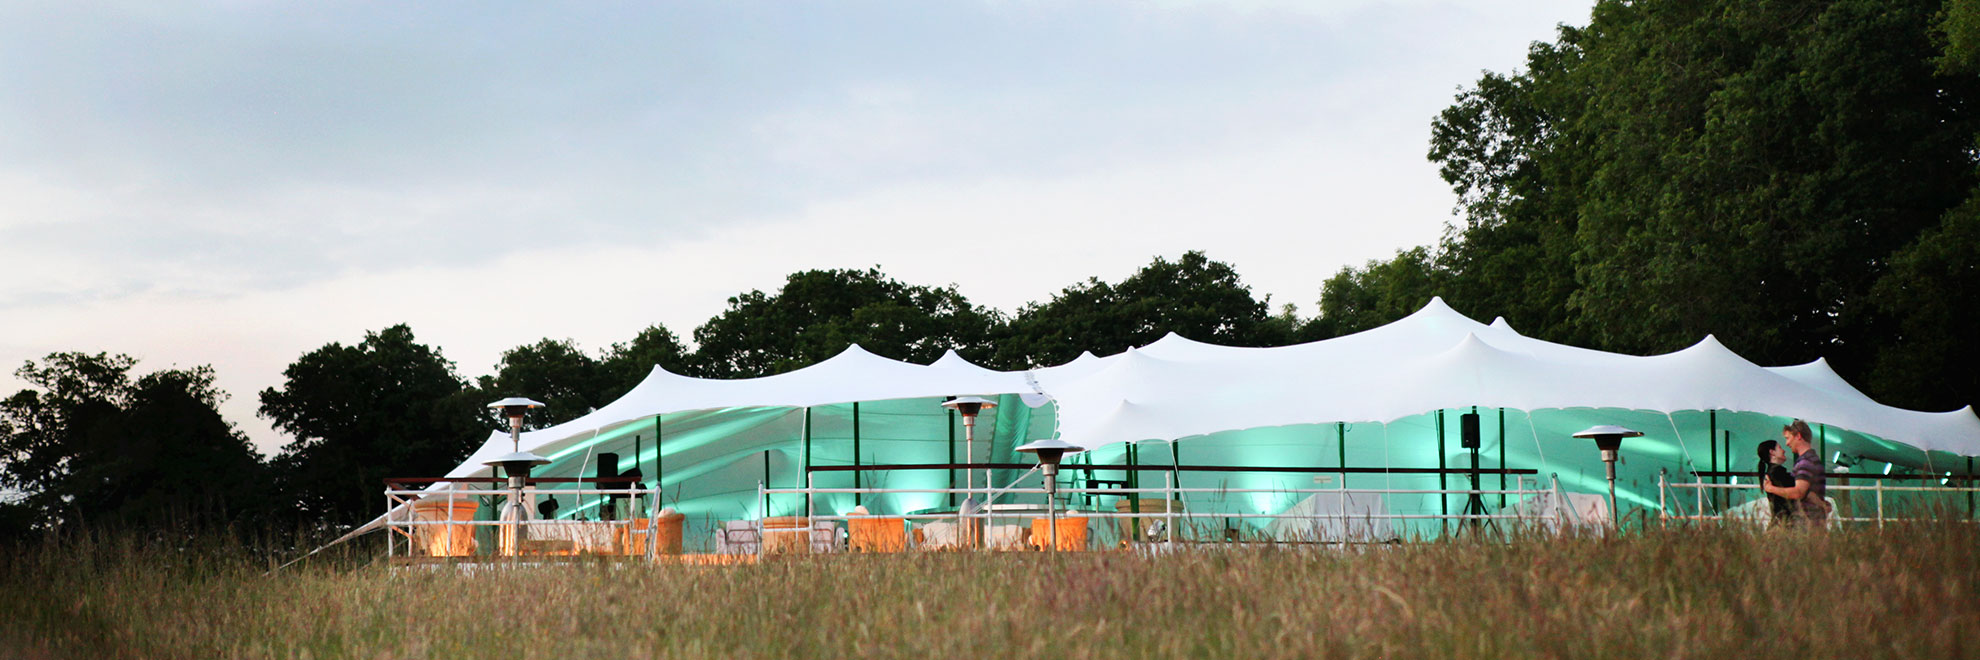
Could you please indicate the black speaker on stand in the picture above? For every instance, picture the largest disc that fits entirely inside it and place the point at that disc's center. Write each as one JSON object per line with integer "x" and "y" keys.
{"x": 1474, "y": 505}
{"x": 607, "y": 468}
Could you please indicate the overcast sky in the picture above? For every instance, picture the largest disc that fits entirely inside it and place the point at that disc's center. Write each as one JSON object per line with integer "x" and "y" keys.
{"x": 237, "y": 183}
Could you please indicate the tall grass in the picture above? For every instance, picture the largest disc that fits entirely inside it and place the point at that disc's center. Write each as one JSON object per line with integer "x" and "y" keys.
{"x": 1907, "y": 591}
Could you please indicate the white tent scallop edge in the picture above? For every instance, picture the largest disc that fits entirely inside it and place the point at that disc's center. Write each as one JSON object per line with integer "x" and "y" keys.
{"x": 1178, "y": 388}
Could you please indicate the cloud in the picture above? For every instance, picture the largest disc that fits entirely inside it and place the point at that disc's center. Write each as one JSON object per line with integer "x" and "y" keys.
{"x": 239, "y": 183}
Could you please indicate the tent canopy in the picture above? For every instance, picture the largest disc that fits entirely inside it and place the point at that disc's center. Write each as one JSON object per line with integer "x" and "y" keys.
{"x": 1175, "y": 388}
{"x": 1372, "y": 399}
{"x": 1439, "y": 359}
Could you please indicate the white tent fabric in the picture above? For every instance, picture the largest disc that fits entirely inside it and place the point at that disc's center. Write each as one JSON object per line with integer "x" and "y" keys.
{"x": 1179, "y": 389}
{"x": 853, "y": 375}
{"x": 1436, "y": 358}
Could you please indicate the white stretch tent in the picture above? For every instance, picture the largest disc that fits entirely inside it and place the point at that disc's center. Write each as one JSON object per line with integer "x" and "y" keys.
{"x": 853, "y": 375}
{"x": 1375, "y": 398}
{"x": 1439, "y": 359}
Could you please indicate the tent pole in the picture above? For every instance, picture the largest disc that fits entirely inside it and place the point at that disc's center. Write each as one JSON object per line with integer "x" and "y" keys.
{"x": 1134, "y": 481}
{"x": 1443, "y": 480}
{"x": 1175, "y": 465}
{"x": 659, "y": 458}
{"x": 1340, "y": 433}
{"x": 1726, "y": 445}
{"x": 952, "y": 457}
{"x": 856, "y": 479}
{"x": 1714, "y": 436}
{"x": 1822, "y": 431}
{"x": 765, "y": 484}
{"x": 1712, "y": 418}
{"x": 805, "y": 481}
{"x": 1502, "y": 457}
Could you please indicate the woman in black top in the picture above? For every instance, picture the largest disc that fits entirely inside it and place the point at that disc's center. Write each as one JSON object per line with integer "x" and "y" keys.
{"x": 1771, "y": 459}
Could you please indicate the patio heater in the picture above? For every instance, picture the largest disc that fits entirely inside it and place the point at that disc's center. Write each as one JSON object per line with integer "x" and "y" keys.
{"x": 516, "y": 464}
{"x": 1049, "y": 451}
{"x": 1609, "y": 440}
{"x": 968, "y": 407}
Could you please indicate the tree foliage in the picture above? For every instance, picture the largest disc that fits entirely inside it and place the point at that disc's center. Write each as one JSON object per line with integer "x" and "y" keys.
{"x": 89, "y": 444}
{"x": 626, "y": 364}
{"x": 556, "y": 372}
{"x": 1382, "y": 291}
{"x": 818, "y": 313}
{"x": 1193, "y": 296}
{"x": 385, "y": 407}
{"x": 1752, "y": 170}
{"x": 1930, "y": 359}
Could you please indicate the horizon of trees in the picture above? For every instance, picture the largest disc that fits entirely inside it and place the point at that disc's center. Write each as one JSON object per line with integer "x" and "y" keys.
{"x": 1799, "y": 178}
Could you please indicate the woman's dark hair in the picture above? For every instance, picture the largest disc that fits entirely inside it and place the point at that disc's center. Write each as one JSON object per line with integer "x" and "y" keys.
{"x": 1766, "y": 452}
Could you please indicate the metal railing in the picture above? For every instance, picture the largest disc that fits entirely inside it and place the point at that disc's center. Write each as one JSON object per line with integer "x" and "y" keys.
{"x": 1172, "y": 518}
{"x": 457, "y": 538}
{"x": 1880, "y": 505}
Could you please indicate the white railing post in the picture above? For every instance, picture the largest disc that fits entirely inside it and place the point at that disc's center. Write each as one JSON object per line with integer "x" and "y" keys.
{"x": 1344, "y": 512}
{"x": 1169, "y": 508}
{"x": 1880, "y": 504}
{"x": 1663, "y": 509}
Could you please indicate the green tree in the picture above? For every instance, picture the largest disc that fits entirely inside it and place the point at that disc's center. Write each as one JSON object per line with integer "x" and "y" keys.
{"x": 1195, "y": 297}
{"x": 1511, "y": 255}
{"x": 572, "y": 383}
{"x": 88, "y": 444}
{"x": 387, "y": 406}
{"x": 1377, "y": 294}
{"x": 1929, "y": 363}
{"x": 1959, "y": 37}
{"x": 569, "y": 382}
{"x": 818, "y": 313}
{"x": 629, "y": 363}
{"x": 1741, "y": 168}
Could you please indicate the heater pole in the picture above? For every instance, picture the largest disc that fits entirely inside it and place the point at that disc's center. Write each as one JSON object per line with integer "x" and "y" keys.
{"x": 969, "y": 451}
{"x": 1052, "y": 506}
{"x": 1615, "y": 516}
{"x": 512, "y": 532}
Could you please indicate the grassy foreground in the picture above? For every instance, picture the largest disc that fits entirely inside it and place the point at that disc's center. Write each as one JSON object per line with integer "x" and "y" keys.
{"x": 1667, "y": 594}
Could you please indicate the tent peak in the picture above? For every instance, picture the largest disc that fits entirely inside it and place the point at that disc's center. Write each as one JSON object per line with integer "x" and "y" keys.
{"x": 1084, "y": 356}
{"x": 1436, "y": 306}
{"x": 1710, "y": 343}
{"x": 1472, "y": 343}
{"x": 853, "y": 350}
{"x": 1710, "y": 346}
{"x": 1437, "y": 309}
{"x": 952, "y": 360}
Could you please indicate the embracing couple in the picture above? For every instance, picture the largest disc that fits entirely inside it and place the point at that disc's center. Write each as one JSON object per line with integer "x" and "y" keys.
{"x": 1797, "y": 495}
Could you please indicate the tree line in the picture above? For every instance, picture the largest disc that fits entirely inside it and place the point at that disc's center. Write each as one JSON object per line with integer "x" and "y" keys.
{"x": 1796, "y": 177}
{"x": 91, "y": 442}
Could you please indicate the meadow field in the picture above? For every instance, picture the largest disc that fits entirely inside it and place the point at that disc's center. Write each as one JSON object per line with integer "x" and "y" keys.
{"x": 1680, "y": 593}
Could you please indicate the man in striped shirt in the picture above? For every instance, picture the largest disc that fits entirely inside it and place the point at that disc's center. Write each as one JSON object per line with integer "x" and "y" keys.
{"x": 1810, "y": 486}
